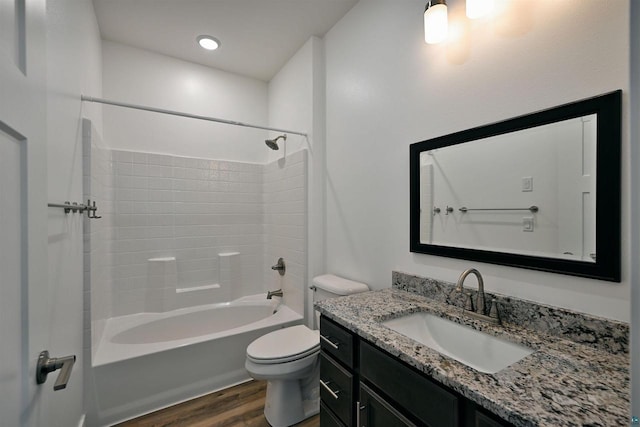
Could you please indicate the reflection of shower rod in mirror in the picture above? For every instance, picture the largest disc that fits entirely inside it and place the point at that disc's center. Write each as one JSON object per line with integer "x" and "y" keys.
{"x": 464, "y": 209}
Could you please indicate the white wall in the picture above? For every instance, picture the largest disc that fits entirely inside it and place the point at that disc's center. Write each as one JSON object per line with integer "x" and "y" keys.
{"x": 297, "y": 102}
{"x": 73, "y": 68}
{"x": 387, "y": 89}
{"x": 141, "y": 77}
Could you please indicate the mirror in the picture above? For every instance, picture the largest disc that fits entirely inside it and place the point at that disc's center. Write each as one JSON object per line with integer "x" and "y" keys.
{"x": 540, "y": 191}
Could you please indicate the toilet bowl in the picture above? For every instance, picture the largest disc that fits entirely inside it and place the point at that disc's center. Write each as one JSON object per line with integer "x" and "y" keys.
{"x": 288, "y": 360}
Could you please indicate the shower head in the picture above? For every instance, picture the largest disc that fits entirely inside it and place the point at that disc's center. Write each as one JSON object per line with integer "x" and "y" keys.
{"x": 273, "y": 143}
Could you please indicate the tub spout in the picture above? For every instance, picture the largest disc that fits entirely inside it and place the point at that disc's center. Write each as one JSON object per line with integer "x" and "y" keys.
{"x": 271, "y": 294}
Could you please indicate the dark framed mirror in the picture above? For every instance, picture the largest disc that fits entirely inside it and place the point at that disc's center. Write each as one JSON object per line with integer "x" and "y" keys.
{"x": 539, "y": 191}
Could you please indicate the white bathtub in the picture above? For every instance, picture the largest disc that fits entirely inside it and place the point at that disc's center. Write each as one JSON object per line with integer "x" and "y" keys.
{"x": 149, "y": 361}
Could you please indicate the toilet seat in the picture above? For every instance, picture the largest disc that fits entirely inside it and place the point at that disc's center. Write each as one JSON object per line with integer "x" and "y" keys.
{"x": 284, "y": 345}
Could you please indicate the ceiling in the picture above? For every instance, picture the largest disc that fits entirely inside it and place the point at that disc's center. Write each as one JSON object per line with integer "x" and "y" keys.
{"x": 257, "y": 36}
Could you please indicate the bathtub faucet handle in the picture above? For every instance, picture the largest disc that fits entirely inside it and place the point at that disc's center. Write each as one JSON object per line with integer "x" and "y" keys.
{"x": 279, "y": 267}
{"x": 271, "y": 294}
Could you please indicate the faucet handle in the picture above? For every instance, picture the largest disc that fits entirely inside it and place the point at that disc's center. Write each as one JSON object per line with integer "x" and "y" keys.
{"x": 494, "y": 312}
{"x": 468, "y": 305}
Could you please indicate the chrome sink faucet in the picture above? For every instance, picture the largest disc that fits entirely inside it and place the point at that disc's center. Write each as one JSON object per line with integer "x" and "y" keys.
{"x": 479, "y": 313}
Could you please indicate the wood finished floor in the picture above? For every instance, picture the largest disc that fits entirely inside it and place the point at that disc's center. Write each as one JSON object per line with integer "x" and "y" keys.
{"x": 239, "y": 406}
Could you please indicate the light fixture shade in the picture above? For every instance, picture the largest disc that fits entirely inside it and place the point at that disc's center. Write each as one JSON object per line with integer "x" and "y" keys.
{"x": 479, "y": 8}
{"x": 208, "y": 42}
{"x": 436, "y": 24}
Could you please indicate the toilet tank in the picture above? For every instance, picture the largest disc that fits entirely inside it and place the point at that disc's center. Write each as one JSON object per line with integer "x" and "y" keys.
{"x": 331, "y": 286}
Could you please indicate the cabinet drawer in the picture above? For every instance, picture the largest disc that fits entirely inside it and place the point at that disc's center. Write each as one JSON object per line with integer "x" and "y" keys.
{"x": 337, "y": 341}
{"x": 327, "y": 419}
{"x": 374, "y": 411}
{"x": 336, "y": 389}
{"x": 421, "y": 397}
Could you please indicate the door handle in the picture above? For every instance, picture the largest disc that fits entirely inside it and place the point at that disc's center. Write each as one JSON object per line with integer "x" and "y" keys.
{"x": 48, "y": 364}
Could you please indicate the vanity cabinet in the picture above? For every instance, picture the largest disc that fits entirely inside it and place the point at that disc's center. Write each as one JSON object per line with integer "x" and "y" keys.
{"x": 362, "y": 385}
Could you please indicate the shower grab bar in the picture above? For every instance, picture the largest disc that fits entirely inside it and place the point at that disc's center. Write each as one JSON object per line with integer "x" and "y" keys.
{"x": 190, "y": 116}
{"x": 533, "y": 208}
{"x": 75, "y": 207}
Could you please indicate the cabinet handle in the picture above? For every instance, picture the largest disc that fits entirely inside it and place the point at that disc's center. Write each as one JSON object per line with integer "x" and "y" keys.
{"x": 325, "y": 385}
{"x": 328, "y": 341}
{"x": 358, "y": 409}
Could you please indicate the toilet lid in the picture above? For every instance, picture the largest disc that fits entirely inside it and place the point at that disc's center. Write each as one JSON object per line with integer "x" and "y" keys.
{"x": 284, "y": 345}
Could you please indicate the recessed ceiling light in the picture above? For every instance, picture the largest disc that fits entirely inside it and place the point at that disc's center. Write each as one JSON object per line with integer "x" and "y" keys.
{"x": 208, "y": 42}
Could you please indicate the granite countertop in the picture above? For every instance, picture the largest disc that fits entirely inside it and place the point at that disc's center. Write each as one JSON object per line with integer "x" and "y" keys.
{"x": 563, "y": 383}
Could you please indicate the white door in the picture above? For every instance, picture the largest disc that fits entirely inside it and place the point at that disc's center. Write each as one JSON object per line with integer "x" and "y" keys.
{"x": 23, "y": 221}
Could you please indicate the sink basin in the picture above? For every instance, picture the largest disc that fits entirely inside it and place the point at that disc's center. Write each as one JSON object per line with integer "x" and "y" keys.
{"x": 480, "y": 351}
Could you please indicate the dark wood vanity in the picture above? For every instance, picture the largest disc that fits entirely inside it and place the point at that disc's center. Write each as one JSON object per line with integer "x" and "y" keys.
{"x": 363, "y": 385}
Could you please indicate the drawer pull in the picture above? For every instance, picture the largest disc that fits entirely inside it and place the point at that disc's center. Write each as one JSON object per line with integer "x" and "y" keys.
{"x": 334, "y": 394}
{"x": 328, "y": 341}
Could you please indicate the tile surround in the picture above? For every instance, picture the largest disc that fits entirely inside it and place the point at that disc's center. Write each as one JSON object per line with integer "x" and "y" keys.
{"x": 285, "y": 213}
{"x": 194, "y": 210}
{"x": 97, "y": 186}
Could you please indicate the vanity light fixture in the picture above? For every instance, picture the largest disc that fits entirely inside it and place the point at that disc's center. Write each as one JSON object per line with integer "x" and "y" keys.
{"x": 208, "y": 42}
{"x": 479, "y": 8}
{"x": 436, "y": 25}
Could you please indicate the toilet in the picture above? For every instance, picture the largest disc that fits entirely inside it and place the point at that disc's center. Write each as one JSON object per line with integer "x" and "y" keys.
{"x": 288, "y": 360}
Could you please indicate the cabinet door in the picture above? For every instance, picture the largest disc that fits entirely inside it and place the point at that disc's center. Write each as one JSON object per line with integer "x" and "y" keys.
{"x": 422, "y": 398}
{"x": 327, "y": 418}
{"x": 483, "y": 420}
{"x": 374, "y": 411}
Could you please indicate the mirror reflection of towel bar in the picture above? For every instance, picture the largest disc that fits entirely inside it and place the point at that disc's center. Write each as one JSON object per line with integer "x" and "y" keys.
{"x": 530, "y": 208}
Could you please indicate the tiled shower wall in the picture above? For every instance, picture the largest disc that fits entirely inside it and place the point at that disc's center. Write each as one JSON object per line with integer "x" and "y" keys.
{"x": 97, "y": 186}
{"x": 285, "y": 216}
{"x": 192, "y": 210}
{"x": 190, "y": 231}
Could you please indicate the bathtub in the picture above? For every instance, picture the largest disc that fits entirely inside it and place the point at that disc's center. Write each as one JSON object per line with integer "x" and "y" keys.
{"x": 149, "y": 361}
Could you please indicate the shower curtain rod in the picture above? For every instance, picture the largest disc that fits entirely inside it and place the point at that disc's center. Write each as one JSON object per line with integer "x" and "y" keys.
{"x": 191, "y": 116}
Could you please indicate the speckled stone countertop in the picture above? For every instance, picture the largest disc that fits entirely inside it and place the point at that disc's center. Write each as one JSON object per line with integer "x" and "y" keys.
{"x": 563, "y": 383}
